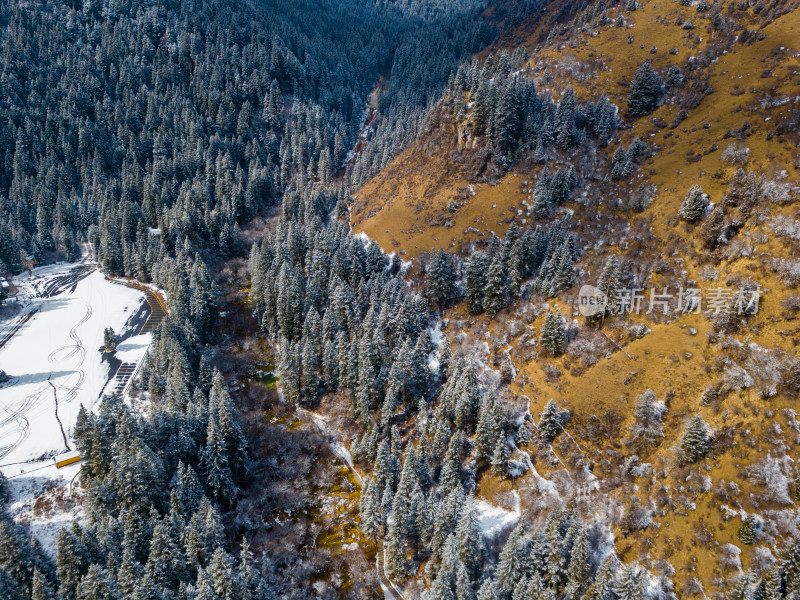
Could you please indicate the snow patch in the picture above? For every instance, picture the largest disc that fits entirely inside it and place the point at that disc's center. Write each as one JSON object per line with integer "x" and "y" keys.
{"x": 493, "y": 520}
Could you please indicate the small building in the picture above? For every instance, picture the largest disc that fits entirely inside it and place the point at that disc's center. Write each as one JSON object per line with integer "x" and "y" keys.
{"x": 68, "y": 458}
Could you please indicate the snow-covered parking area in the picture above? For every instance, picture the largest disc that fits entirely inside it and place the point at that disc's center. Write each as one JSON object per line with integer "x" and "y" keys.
{"x": 55, "y": 360}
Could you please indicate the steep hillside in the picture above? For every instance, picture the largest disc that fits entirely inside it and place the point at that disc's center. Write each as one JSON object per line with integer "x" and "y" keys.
{"x": 731, "y": 127}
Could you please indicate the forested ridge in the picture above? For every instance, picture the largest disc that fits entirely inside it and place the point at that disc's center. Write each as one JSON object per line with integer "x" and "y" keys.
{"x": 120, "y": 117}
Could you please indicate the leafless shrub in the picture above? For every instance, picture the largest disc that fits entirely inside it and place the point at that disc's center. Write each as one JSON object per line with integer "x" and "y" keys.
{"x": 788, "y": 269}
{"x": 762, "y": 560}
{"x": 708, "y": 273}
{"x": 735, "y": 154}
{"x": 725, "y": 491}
{"x": 514, "y": 328}
{"x": 693, "y": 587}
{"x": 770, "y": 472}
{"x": 739, "y": 248}
{"x": 730, "y": 557}
{"x": 736, "y": 378}
{"x": 647, "y": 429}
{"x": 764, "y": 367}
{"x": 642, "y": 198}
{"x": 791, "y": 303}
{"x": 779, "y": 192}
{"x": 786, "y": 227}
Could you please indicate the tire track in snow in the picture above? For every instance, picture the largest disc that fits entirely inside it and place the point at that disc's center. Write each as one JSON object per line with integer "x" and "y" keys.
{"x": 76, "y": 349}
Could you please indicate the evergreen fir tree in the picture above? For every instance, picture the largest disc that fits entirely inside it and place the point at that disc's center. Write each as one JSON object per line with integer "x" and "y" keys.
{"x": 441, "y": 277}
{"x": 488, "y": 430}
{"x": 476, "y": 282}
{"x": 580, "y": 567}
{"x": 500, "y": 457}
{"x": 630, "y": 585}
{"x": 549, "y": 422}
{"x": 496, "y": 292}
{"x": 693, "y": 207}
{"x": 748, "y": 531}
{"x": 609, "y": 284}
{"x": 509, "y": 564}
{"x": 450, "y": 476}
{"x": 695, "y": 443}
{"x": 646, "y": 91}
{"x": 552, "y": 336}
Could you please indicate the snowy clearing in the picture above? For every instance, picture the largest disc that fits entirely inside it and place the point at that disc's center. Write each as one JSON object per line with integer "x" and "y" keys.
{"x": 55, "y": 358}
{"x": 493, "y": 520}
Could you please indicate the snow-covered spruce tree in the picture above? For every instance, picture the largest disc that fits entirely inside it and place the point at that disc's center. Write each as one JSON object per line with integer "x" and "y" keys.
{"x": 396, "y": 564}
{"x": 549, "y": 422}
{"x": 603, "y": 585}
{"x": 496, "y": 292}
{"x": 579, "y": 572}
{"x": 109, "y": 340}
{"x": 743, "y": 587}
{"x": 40, "y": 588}
{"x": 445, "y": 358}
{"x": 216, "y": 465}
{"x": 693, "y": 207}
{"x": 500, "y": 457}
{"x": 542, "y": 197}
{"x": 748, "y": 531}
{"x": 791, "y": 566}
{"x": 370, "y": 510}
{"x": 647, "y": 429}
{"x": 552, "y": 336}
{"x": 509, "y": 564}
{"x": 646, "y": 91}
{"x": 629, "y": 585}
{"x": 696, "y": 440}
{"x": 469, "y": 540}
{"x": 609, "y": 283}
{"x": 773, "y": 584}
{"x": 441, "y": 277}
{"x": 450, "y": 476}
{"x": 489, "y": 429}
{"x": 674, "y": 76}
{"x": 476, "y": 282}
{"x": 222, "y": 409}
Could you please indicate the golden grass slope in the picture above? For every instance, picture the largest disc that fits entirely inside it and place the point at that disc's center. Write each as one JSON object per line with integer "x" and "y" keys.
{"x": 405, "y": 208}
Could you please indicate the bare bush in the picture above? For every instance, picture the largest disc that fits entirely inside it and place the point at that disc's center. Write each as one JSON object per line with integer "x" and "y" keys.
{"x": 788, "y": 269}
{"x": 725, "y": 491}
{"x": 764, "y": 368}
{"x": 647, "y": 429}
{"x": 762, "y": 560}
{"x": 791, "y": 303}
{"x": 778, "y": 192}
{"x": 736, "y": 378}
{"x": 770, "y": 472}
{"x": 735, "y": 154}
{"x": 786, "y": 227}
{"x": 693, "y": 587}
{"x": 730, "y": 557}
